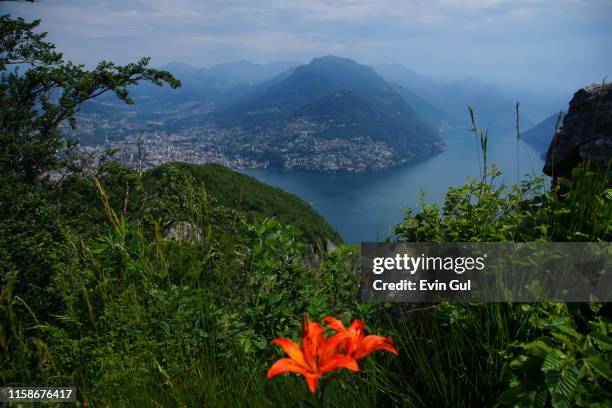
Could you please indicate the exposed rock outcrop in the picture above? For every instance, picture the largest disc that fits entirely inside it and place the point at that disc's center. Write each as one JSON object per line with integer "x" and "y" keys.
{"x": 586, "y": 132}
{"x": 183, "y": 231}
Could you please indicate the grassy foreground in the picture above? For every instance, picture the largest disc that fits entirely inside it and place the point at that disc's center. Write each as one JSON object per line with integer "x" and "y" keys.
{"x": 134, "y": 318}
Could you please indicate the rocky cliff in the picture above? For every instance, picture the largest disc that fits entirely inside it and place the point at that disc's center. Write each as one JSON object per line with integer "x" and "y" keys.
{"x": 586, "y": 132}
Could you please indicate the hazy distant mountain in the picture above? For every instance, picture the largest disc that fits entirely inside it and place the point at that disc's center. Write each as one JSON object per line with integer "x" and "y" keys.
{"x": 331, "y": 113}
{"x": 342, "y": 100}
{"x": 417, "y": 83}
{"x": 197, "y": 77}
{"x": 227, "y": 75}
{"x": 541, "y": 134}
{"x": 493, "y": 109}
{"x": 433, "y": 116}
{"x": 204, "y": 85}
{"x": 200, "y": 85}
{"x": 202, "y": 89}
{"x": 309, "y": 82}
{"x": 249, "y": 73}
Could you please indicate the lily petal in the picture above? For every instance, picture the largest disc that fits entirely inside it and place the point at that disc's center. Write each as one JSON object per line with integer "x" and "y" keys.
{"x": 312, "y": 340}
{"x": 331, "y": 346}
{"x": 372, "y": 343}
{"x": 285, "y": 365}
{"x": 356, "y": 327}
{"x": 334, "y": 324}
{"x": 355, "y": 336}
{"x": 312, "y": 381}
{"x": 340, "y": 361}
{"x": 292, "y": 349}
{"x": 388, "y": 347}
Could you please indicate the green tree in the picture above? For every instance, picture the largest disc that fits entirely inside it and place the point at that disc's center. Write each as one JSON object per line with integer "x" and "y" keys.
{"x": 39, "y": 90}
{"x": 34, "y": 102}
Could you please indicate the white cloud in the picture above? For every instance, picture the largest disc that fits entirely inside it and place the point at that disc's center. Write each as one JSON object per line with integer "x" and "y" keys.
{"x": 475, "y": 36}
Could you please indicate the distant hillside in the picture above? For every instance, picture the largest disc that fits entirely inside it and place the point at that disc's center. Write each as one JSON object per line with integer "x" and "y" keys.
{"x": 359, "y": 116}
{"x": 417, "y": 83}
{"x": 541, "y": 134}
{"x": 249, "y": 73}
{"x": 433, "y": 116}
{"x": 332, "y": 98}
{"x": 202, "y": 89}
{"x": 198, "y": 84}
{"x": 267, "y": 109}
{"x": 215, "y": 84}
{"x": 256, "y": 199}
{"x": 306, "y": 84}
{"x": 493, "y": 109}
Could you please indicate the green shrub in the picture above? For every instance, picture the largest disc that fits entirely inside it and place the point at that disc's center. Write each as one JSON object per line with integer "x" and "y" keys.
{"x": 566, "y": 365}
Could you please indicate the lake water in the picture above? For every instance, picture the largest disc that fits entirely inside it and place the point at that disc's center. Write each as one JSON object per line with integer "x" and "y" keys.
{"x": 365, "y": 206}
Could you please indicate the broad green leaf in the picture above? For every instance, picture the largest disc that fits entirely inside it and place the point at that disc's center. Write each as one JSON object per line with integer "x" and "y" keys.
{"x": 554, "y": 360}
{"x": 600, "y": 366}
{"x": 602, "y": 340}
{"x": 538, "y": 348}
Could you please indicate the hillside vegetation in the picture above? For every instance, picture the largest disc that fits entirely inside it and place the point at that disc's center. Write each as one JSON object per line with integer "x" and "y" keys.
{"x": 250, "y": 196}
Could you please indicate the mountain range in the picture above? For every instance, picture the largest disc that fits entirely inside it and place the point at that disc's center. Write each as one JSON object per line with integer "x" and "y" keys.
{"x": 450, "y": 100}
{"x": 332, "y": 113}
{"x": 339, "y": 99}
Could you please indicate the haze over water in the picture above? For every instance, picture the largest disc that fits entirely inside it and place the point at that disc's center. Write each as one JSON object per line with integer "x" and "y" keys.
{"x": 365, "y": 206}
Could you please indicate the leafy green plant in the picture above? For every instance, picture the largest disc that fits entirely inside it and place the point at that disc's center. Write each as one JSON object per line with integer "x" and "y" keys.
{"x": 564, "y": 366}
{"x": 485, "y": 211}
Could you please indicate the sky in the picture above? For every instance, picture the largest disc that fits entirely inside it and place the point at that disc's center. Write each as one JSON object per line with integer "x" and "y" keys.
{"x": 542, "y": 47}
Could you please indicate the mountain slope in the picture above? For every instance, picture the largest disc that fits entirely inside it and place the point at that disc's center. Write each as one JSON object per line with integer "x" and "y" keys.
{"x": 256, "y": 199}
{"x": 433, "y": 116}
{"x": 493, "y": 109}
{"x": 362, "y": 116}
{"x": 200, "y": 85}
{"x": 310, "y": 82}
{"x": 108, "y": 118}
{"x": 419, "y": 84}
{"x": 332, "y": 105}
{"x": 541, "y": 134}
{"x": 249, "y": 73}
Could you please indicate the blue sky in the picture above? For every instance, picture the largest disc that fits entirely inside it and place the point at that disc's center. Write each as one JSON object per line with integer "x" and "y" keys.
{"x": 532, "y": 45}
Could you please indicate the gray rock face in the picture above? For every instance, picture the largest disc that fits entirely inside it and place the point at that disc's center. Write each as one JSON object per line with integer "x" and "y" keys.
{"x": 586, "y": 132}
{"x": 183, "y": 231}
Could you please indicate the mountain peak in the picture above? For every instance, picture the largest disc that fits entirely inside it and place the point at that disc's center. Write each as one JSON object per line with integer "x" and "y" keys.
{"x": 343, "y": 114}
{"x": 332, "y": 59}
{"x": 175, "y": 66}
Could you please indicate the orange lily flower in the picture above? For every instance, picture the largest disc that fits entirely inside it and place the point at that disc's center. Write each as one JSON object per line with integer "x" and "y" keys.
{"x": 315, "y": 357}
{"x": 356, "y": 344}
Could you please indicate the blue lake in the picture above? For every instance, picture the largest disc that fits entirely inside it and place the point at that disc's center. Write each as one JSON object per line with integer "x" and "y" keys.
{"x": 365, "y": 206}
